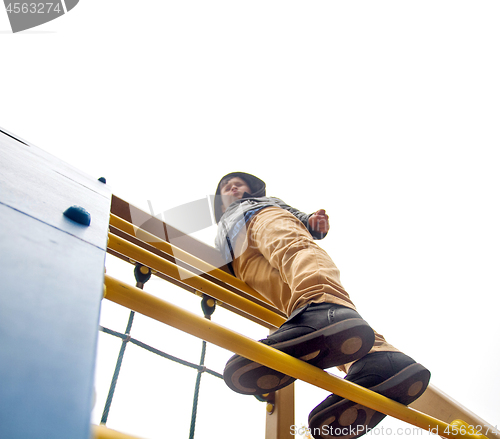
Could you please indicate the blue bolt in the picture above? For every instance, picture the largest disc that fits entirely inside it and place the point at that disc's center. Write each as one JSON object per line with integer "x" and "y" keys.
{"x": 78, "y": 214}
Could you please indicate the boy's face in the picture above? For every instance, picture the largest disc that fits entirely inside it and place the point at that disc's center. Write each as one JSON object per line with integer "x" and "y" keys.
{"x": 232, "y": 190}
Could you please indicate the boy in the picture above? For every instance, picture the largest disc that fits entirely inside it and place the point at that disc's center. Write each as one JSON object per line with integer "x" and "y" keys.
{"x": 270, "y": 246}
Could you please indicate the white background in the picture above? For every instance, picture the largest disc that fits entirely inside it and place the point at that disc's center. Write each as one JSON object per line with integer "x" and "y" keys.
{"x": 384, "y": 113}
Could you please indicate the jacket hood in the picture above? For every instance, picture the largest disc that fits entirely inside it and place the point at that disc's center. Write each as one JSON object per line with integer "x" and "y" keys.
{"x": 257, "y": 186}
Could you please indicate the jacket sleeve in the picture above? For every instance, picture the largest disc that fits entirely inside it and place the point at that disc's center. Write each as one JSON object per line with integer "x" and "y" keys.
{"x": 302, "y": 217}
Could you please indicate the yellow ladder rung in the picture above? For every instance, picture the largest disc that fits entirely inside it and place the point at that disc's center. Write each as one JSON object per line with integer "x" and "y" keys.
{"x": 203, "y": 285}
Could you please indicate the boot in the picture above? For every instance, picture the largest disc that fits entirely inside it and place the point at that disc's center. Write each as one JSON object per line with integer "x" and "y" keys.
{"x": 324, "y": 335}
{"x": 392, "y": 374}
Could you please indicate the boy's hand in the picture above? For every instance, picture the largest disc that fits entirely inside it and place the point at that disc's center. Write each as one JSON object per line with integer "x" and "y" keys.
{"x": 319, "y": 221}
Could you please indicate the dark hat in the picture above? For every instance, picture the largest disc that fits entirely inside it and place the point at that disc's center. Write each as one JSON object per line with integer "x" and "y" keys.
{"x": 257, "y": 186}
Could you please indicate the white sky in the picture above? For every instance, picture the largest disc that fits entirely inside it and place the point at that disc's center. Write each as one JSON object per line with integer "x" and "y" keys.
{"x": 383, "y": 113}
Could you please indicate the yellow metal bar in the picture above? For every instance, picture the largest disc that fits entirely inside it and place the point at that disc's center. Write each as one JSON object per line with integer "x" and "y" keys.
{"x": 203, "y": 285}
{"x": 151, "y": 306}
{"x": 102, "y": 432}
{"x": 184, "y": 256}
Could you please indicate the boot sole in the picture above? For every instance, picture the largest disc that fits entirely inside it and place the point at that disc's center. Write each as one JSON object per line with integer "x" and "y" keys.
{"x": 348, "y": 420}
{"x": 333, "y": 345}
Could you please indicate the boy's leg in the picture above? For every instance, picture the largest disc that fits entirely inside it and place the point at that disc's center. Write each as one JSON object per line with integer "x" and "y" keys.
{"x": 323, "y": 328}
{"x": 277, "y": 240}
{"x": 285, "y": 265}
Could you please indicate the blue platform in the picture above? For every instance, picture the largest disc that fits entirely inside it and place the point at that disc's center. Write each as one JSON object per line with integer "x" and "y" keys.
{"x": 51, "y": 285}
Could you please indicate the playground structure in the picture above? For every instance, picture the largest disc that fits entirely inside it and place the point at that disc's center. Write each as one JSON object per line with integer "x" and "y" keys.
{"x": 56, "y": 220}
